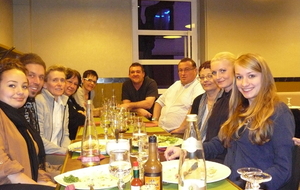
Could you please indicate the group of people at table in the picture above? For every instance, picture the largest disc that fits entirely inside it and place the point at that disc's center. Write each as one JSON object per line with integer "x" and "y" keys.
{"x": 241, "y": 120}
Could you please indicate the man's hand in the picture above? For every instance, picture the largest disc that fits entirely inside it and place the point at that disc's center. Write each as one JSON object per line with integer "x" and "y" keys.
{"x": 143, "y": 112}
{"x": 172, "y": 152}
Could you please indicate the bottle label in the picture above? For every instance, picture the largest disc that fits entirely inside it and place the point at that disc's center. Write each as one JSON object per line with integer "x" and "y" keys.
{"x": 153, "y": 179}
{"x": 191, "y": 144}
{"x": 135, "y": 188}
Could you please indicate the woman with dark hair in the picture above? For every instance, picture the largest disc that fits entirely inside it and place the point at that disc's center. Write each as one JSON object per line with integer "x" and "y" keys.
{"x": 22, "y": 154}
{"x": 76, "y": 112}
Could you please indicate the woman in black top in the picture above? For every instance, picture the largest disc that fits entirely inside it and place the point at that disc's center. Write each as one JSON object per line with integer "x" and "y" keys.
{"x": 76, "y": 112}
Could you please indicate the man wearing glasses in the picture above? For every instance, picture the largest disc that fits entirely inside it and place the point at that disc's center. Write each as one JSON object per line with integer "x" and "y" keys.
{"x": 86, "y": 91}
{"x": 172, "y": 106}
{"x": 139, "y": 92}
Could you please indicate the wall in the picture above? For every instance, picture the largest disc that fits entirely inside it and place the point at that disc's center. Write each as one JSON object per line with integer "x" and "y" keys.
{"x": 82, "y": 34}
{"x": 270, "y": 28}
{"x": 85, "y": 34}
{"x": 6, "y": 22}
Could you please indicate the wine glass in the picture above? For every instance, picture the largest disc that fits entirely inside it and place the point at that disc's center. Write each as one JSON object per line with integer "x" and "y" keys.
{"x": 122, "y": 126}
{"x": 120, "y": 166}
{"x": 248, "y": 169}
{"x": 105, "y": 122}
{"x": 140, "y": 140}
{"x": 255, "y": 178}
{"x": 289, "y": 102}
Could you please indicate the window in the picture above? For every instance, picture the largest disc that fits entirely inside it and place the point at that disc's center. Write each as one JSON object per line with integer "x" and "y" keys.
{"x": 163, "y": 33}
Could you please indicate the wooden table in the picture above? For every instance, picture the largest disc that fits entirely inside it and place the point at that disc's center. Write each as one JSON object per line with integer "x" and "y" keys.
{"x": 72, "y": 163}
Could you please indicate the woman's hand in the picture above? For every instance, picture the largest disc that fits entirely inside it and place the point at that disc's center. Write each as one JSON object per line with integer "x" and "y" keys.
{"x": 296, "y": 141}
{"x": 172, "y": 152}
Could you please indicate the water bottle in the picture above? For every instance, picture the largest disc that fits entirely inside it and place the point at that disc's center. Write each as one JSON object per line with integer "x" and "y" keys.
{"x": 192, "y": 170}
{"x": 89, "y": 144}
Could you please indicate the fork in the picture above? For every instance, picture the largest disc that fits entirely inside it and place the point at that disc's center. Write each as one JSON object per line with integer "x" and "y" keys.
{"x": 91, "y": 185}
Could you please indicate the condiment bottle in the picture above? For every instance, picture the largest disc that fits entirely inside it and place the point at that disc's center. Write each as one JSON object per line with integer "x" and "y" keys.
{"x": 153, "y": 167}
{"x": 136, "y": 183}
{"x": 192, "y": 170}
{"x": 89, "y": 144}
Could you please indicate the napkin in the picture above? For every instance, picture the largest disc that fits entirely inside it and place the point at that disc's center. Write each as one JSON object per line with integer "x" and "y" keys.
{"x": 150, "y": 124}
{"x": 70, "y": 187}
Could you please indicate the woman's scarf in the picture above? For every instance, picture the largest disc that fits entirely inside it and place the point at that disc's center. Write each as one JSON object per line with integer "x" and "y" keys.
{"x": 29, "y": 134}
{"x": 202, "y": 126}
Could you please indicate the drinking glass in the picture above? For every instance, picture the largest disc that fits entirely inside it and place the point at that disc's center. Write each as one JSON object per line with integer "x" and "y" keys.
{"x": 122, "y": 126}
{"x": 255, "y": 178}
{"x": 248, "y": 169}
{"x": 289, "y": 102}
{"x": 140, "y": 140}
{"x": 105, "y": 122}
{"x": 120, "y": 166}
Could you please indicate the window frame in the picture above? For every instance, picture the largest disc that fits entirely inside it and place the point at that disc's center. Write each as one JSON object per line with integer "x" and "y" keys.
{"x": 191, "y": 36}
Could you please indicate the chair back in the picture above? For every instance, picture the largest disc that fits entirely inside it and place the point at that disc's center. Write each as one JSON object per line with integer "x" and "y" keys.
{"x": 293, "y": 183}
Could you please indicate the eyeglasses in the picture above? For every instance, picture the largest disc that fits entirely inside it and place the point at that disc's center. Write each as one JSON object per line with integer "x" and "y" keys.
{"x": 90, "y": 80}
{"x": 185, "y": 70}
{"x": 208, "y": 77}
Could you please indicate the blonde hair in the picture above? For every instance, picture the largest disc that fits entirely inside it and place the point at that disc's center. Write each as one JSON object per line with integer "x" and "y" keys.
{"x": 224, "y": 56}
{"x": 257, "y": 115}
{"x": 59, "y": 68}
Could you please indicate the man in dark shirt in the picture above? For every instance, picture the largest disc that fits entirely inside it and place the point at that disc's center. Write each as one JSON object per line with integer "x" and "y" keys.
{"x": 36, "y": 69}
{"x": 139, "y": 92}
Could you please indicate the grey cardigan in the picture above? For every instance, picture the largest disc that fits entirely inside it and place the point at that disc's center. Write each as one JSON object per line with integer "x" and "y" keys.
{"x": 45, "y": 106}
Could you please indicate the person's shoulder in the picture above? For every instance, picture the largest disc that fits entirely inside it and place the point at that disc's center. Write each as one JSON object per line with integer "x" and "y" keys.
{"x": 281, "y": 107}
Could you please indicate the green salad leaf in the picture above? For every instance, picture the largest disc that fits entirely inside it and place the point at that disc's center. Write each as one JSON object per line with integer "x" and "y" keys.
{"x": 70, "y": 179}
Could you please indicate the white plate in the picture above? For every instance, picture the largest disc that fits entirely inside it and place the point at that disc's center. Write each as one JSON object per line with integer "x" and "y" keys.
{"x": 215, "y": 171}
{"x": 76, "y": 147}
{"x": 102, "y": 179}
{"x": 163, "y": 141}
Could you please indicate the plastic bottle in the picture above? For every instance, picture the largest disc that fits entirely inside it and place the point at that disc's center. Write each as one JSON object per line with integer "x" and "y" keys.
{"x": 89, "y": 144}
{"x": 136, "y": 183}
{"x": 153, "y": 167}
{"x": 192, "y": 170}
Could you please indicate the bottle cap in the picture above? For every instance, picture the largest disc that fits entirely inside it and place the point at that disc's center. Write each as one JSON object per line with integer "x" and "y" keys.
{"x": 191, "y": 117}
{"x": 135, "y": 163}
{"x": 152, "y": 139}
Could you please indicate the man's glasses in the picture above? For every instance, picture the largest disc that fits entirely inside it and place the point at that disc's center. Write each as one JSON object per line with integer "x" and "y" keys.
{"x": 185, "y": 70}
{"x": 90, "y": 80}
{"x": 208, "y": 77}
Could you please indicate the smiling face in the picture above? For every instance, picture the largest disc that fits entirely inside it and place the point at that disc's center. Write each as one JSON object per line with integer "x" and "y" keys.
{"x": 14, "y": 88}
{"x": 222, "y": 71}
{"x": 71, "y": 85}
{"x": 35, "y": 76}
{"x": 206, "y": 80}
{"x": 187, "y": 72}
{"x": 89, "y": 83}
{"x": 136, "y": 74}
{"x": 248, "y": 82}
{"x": 55, "y": 83}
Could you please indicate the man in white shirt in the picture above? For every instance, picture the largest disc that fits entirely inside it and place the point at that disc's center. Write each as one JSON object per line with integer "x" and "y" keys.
{"x": 172, "y": 106}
